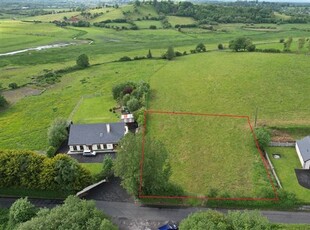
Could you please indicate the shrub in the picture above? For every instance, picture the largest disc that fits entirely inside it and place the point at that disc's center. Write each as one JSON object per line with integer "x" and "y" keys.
{"x": 263, "y": 137}
{"x": 178, "y": 54}
{"x": 51, "y": 151}
{"x": 220, "y": 46}
{"x": 251, "y": 48}
{"x": 13, "y": 85}
{"x": 152, "y": 27}
{"x": 125, "y": 58}
{"x": 200, "y": 47}
{"x": 282, "y": 40}
{"x": 3, "y": 102}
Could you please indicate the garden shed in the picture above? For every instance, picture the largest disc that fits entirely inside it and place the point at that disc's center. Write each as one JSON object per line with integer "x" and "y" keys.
{"x": 303, "y": 151}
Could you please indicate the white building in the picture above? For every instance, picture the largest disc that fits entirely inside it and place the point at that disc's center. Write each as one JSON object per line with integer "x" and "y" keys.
{"x": 303, "y": 151}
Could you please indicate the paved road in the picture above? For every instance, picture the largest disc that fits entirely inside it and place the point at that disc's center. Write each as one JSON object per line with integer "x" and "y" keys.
{"x": 132, "y": 211}
{"x": 131, "y": 216}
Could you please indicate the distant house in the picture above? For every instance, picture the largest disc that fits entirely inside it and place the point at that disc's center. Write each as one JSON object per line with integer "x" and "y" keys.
{"x": 102, "y": 137}
{"x": 303, "y": 151}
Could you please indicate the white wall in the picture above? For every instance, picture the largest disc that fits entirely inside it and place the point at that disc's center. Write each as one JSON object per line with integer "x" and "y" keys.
{"x": 307, "y": 164}
{"x": 299, "y": 156}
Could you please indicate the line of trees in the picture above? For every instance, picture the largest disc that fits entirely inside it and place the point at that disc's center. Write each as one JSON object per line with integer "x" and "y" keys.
{"x": 27, "y": 169}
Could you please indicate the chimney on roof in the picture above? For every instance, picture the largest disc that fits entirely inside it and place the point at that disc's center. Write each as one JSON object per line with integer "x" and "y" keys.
{"x": 108, "y": 128}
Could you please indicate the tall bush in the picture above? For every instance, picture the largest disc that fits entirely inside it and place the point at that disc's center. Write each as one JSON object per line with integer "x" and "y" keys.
{"x": 57, "y": 132}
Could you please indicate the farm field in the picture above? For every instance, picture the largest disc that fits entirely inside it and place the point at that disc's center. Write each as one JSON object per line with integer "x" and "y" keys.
{"x": 211, "y": 155}
{"x": 284, "y": 168}
{"x": 26, "y": 122}
{"x": 175, "y": 20}
{"x": 221, "y": 84}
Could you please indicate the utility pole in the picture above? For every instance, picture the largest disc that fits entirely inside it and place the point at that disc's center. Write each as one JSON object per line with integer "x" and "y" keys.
{"x": 255, "y": 121}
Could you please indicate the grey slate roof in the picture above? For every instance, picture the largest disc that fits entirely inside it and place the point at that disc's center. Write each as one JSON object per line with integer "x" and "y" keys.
{"x": 89, "y": 134}
{"x": 304, "y": 148}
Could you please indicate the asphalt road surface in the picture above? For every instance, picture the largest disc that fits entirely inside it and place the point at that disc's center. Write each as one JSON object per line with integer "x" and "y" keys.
{"x": 130, "y": 216}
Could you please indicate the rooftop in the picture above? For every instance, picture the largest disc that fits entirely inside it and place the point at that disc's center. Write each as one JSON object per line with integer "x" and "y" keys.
{"x": 89, "y": 134}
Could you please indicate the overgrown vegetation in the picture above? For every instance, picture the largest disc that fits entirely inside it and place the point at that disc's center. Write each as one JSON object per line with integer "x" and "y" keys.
{"x": 58, "y": 132}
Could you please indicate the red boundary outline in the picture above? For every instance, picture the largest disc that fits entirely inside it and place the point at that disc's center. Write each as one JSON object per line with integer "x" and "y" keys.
{"x": 140, "y": 195}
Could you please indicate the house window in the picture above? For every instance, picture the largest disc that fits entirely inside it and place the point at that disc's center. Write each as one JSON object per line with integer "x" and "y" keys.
{"x": 82, "y": 147}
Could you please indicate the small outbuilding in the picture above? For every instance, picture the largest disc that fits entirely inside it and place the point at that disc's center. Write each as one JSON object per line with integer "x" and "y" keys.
{"x": 102, "y": 137}
{"x": 303, "y": 151}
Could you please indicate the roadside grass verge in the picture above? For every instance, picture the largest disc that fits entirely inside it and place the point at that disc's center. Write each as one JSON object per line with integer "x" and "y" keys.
{"x": 34, "y": 193}
{"x": 284, "y": 168}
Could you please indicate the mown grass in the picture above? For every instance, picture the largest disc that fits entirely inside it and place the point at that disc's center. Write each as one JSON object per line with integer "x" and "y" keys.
{"x": 96, "y": 109}
{"x": 284, "y": 168}
{"x": 53, "y": 17}
{"x": 211, "y": 154}
{"x": 145, "y": 24}
{"x": 94, "y": 168}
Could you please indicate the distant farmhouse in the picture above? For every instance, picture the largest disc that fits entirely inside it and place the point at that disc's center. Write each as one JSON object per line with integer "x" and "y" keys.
{"x": 102, "y": 137}
{"x": 303, "y": 151}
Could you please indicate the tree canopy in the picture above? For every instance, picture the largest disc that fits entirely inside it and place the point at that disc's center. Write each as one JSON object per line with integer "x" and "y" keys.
{"x": 57, "y": 132}
{"x": 241, "y": 43}
{"x": 74, "y": 214}
{"x": 82, "y": 61}
{"x": 156, "y": 166}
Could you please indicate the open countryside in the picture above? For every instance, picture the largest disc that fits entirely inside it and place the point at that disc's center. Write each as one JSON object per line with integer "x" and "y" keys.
{"x": 160, "y": 56}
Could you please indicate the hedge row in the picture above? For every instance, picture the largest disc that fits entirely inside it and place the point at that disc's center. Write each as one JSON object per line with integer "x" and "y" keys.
{"x": 27, "y": 169}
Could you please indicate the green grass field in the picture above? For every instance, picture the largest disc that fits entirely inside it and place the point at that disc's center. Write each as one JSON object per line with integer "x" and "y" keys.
{"x": 284, "y": 168}
{"x": 175, "y": 20}
{"x": 145, "y": 24}
{"x": 95, "y": 110}
{"x": 211, "y": 153}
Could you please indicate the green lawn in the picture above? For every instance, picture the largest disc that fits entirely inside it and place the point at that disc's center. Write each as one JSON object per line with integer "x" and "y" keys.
{"x": 211, "y": 153}
{"x": 284, "y": 168}
{"x": 94, "y": 168}
{"x": 95, "y": 109}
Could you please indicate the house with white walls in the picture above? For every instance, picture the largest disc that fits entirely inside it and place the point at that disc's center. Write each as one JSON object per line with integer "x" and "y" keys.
{"x": 102, "y": 137}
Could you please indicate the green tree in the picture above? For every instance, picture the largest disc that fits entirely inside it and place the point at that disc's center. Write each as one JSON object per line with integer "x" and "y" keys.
{"x": 263, "y": 137}
{"x": 156, "y": 167}
{"x": 79, "y": 215}
{"x": 149, "y": 55}
{"x": 220, "y": 46}
{"x": 51, "y": 151}
{"x": 21, "y": 211}
{"x": 82, "y": 61}
{"x": 170, "y": 53}
{"x": 57, "y": 132}
{"x": 301, "y": 43}
{"x": 133, "y": 104}
{"x": 200, "y": 47}
{"x": 208, "y": 220}
{"x": 107, "y": 167}
{"x": 241, "y": 43}
{"x": 287, "y": 44}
